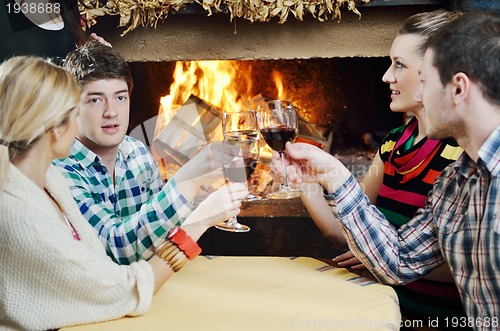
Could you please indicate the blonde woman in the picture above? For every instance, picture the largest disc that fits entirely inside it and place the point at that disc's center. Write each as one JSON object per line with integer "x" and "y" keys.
{"x": 55, "y": 272}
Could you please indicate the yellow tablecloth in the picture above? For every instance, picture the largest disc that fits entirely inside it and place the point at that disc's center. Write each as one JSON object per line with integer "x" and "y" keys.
{"x": 264, "y": 293}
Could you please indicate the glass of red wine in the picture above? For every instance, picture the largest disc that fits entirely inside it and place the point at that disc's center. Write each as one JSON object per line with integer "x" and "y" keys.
{"x": 241, "y": 143}
{"x": 278, "y": 124}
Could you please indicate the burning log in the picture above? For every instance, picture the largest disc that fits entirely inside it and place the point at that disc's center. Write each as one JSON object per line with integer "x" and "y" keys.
{"x": 190, "y": 129}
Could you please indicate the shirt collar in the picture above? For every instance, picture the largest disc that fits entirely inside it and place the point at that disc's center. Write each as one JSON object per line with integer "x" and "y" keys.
{"x": 87, "y": 158}
{"x": 489, "y": 152}
{"x": 489, "y": 158}
{"x": 126, "y": 150}
{"x": 83, "y": 155}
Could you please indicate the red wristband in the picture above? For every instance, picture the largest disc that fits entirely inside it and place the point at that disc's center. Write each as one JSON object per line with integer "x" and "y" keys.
{"x": 184, "y": 242}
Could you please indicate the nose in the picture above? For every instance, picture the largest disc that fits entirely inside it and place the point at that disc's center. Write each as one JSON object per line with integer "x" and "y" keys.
{"x": 110, "y": 111}
{"x": 389, "y": 76}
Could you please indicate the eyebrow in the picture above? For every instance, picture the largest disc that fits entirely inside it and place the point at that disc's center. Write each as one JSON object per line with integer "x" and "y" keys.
{"x": 102, "y": 93}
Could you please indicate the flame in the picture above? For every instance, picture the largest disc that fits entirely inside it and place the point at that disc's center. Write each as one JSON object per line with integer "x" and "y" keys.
{"x": 211, "y": 81}
{"x": 224, "y": 84}
{"x": 278, "y": 80}
{"x": 227, "y": 85}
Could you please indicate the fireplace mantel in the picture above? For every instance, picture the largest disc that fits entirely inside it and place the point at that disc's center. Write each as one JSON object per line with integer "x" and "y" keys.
{"x": 202, "y": 37}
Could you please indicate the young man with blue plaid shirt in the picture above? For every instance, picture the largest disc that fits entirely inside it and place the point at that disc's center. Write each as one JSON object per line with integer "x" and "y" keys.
{"x": 113, "y": 177}
{"x": 460, "y": 223}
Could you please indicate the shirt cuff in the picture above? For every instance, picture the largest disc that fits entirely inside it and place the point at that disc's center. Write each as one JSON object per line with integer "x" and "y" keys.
{"x": 181, "y": 205}
{"x": 348, "y": 196}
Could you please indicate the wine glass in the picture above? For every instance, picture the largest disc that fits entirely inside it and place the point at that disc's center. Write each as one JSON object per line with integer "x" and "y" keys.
{"x": 241, "y": 143}
{"x": 278, "y": 124}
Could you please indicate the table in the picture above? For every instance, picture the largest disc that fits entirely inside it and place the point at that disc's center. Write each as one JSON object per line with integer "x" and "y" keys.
{"x": 264, "y": 293}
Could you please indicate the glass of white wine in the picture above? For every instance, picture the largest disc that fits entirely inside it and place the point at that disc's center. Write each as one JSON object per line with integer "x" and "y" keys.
{"x": 241, "y": 142}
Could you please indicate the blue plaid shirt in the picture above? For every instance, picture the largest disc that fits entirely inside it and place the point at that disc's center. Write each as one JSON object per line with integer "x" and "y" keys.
{"x": 459, "y": 225}
{"x": 133, "y": 216}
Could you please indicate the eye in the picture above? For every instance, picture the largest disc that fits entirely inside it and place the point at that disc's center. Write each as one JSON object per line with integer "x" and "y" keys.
{"x": 399, "y": 65}
{"x": 94, "y": 100}
{"x": 122, "y": 97}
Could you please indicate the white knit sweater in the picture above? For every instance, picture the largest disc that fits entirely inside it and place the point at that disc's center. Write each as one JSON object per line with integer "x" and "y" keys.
{"x": 48, "y": 279}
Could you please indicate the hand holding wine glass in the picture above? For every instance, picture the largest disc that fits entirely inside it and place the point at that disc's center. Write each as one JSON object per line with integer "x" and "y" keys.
{"x": 278, "y": 125}
{"x": 242, "y": 146}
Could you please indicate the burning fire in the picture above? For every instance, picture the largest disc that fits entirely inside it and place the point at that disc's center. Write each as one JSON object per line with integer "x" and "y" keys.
{"x": 279, "y": 85}
{"x": 221, "y": 83}
{"x": 188, "y": 122}
{"x": 211, "y": 81}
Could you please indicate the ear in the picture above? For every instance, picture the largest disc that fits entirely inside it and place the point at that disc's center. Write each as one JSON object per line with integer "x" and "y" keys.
{"x": 461, "y": 88}
{"x": 56, "y": 133}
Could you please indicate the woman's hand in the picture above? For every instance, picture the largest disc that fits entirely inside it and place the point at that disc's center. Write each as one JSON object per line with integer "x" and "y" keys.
{"x": 349, "y": 261}
{"x": 219, "y": 206}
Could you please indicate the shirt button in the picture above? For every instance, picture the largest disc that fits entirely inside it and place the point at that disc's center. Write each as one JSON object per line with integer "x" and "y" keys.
{"x": 143, "y": 189}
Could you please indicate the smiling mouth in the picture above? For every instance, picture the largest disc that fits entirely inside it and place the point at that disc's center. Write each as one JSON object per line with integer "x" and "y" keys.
{"x": 110, "y": 126}
{"x": 395, "y": 93}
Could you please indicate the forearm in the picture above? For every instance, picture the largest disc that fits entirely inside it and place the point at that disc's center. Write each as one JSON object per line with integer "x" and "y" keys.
{"x": 161, "y": 270}
{"x": 322, "y": 214}
{"x": 393, "y": 256}
{"x": 188, "y": 188}
{"x": 335, "y": 177}
{"x": 172, "y": 256}
{"x": 195, "y": 230}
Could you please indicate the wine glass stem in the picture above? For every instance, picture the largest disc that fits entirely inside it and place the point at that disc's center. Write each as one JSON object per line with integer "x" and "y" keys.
{"x": 232, "y": 221}
{"x": 285, "y": 184}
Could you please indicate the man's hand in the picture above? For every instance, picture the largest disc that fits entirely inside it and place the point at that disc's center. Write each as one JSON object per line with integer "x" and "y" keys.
{"x": 205, "y": 168}
{"x": 308, "y": 163}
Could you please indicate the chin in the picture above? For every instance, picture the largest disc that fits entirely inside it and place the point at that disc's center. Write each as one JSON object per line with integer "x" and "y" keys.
{"x": 396, "y": 108}
{"x": 114, "y": 140}
{"x": 112, "y": 144}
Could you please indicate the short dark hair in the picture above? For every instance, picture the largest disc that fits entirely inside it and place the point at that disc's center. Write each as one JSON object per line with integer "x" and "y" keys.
{"x": 470, "y": 44}
{"x": 425, "y": 24}
{"x": 95, "y": 61}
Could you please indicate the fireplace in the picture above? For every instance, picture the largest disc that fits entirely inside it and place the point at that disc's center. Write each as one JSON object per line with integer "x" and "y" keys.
{"x": 338, "y": 64}
{"x": 343, "y": 97}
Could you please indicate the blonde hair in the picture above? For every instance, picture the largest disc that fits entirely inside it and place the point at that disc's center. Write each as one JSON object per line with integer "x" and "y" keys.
{"x": 35, "y": 96}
